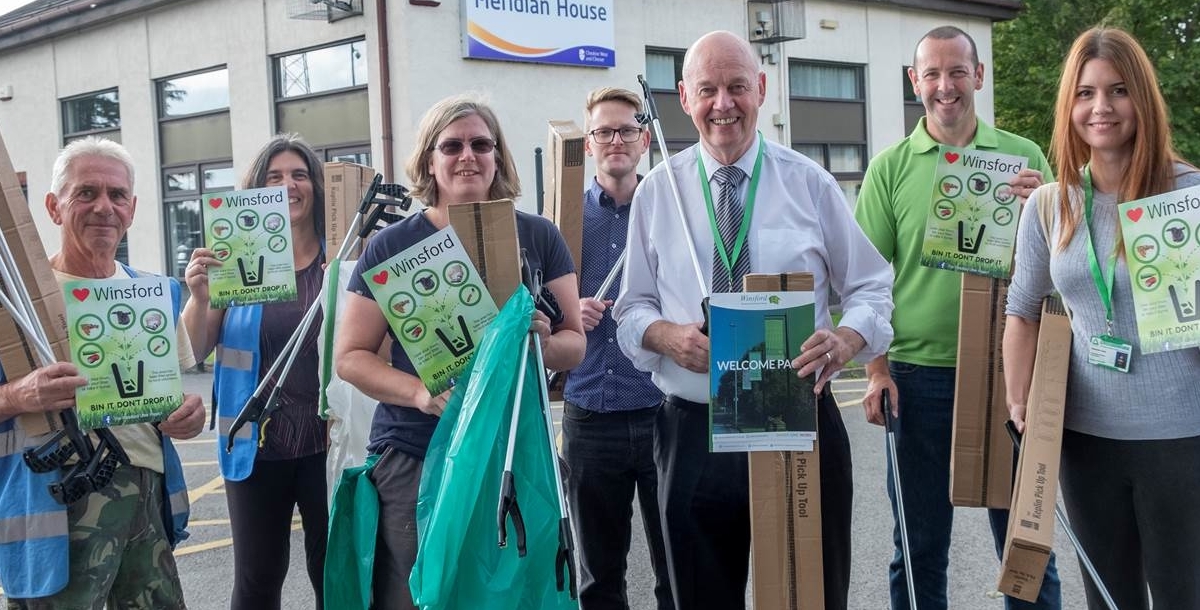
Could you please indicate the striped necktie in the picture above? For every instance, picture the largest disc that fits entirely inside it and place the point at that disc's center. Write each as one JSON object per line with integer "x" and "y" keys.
{"x": 729, "y": 221}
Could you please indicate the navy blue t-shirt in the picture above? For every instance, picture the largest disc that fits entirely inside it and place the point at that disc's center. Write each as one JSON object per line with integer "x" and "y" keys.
{"x": 404, "y": 427}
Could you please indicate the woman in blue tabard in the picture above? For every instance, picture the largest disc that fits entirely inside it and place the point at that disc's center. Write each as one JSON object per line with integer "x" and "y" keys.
{"x": 461, "y": 156}
{"x": 278, "y": 464}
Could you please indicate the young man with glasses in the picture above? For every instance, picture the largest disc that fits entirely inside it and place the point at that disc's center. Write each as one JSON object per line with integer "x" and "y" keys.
{"x": 610, "y": 407}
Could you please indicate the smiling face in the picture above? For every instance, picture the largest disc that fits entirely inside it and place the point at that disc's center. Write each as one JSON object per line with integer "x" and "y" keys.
{"x": 945, "y": 75}
{"x": 94, "y": 206}
{"x": 619, "y": 158}
{"x": 722, "y": 89}
{"x": 1103, "y": 114}
{"x": 467, "y": 176}
{"x": 288, "y": 169}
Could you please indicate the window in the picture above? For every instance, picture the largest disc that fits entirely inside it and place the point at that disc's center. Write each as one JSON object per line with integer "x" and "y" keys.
{"x": 182, "y": 219}
{"x": 92, "y": 114}
{"x": 320, "y": 70}
{"x": 664, "y": 69}
{"x": 829, "y": 119}
{"x": 321, "y": 94}
{"x": 825, "y": 81}
{"x": 196, "y": 151}
{"x": 914, "y": 108}
{"x": 348, "y": 154}
{"x": 194, "y": 117}
{"x": 194, "y": 93}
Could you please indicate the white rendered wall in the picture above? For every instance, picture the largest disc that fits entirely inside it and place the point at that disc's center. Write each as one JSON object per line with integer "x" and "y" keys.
{"x": 425, "y": 49}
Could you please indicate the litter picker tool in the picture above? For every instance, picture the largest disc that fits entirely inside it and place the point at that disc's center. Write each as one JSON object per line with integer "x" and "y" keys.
{"x": 97, "y": 463}
{"x": 564, "y": 561}
{"x": 891, "y": 446}
{"x": 371, "y": 210}
{"x": 1066, "y": 525}
{"x": 656, "y": 125}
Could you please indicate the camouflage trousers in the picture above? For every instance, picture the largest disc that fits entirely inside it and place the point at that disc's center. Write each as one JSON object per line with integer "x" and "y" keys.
{"x": 119, "y": 552}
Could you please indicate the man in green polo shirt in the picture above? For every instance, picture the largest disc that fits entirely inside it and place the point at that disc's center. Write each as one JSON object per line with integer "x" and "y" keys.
{"x": 918, "y": 371}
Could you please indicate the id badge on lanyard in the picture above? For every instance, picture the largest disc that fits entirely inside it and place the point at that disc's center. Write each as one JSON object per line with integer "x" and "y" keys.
{"x": 1105, "y": 350}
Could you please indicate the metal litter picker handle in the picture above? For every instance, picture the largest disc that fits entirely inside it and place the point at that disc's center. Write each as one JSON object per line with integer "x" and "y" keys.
{"x": 886, "y": 405}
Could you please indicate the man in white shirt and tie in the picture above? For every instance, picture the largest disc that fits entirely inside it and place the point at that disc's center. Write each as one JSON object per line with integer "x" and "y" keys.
{"x": 796, "y": 219}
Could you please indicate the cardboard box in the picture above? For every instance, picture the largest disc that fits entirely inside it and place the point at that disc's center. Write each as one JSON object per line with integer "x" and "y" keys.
{"x": 488, "y": 230}
{"x": 981, "y": 457}
{"x": 345, "y": 184}
{"x": 564, "y": 184}
{"x": 1031, "y": 520}
{"x": 785, "y": 506}
{"x": 17, "y": 356}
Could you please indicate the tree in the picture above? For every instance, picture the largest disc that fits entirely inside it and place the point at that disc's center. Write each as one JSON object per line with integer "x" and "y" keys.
{"x": 1028, "y": 53}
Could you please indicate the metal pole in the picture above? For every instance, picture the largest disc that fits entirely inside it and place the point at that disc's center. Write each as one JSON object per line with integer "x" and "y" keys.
{"x": 891, "y": 446}
{"x": 652, "y": 110}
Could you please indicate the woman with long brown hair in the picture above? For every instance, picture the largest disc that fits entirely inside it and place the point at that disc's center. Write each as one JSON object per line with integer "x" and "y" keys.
{"x": 1131, "y": 445}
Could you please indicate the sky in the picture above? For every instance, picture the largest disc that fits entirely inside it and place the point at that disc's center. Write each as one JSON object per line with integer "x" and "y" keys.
{"x": 7, "y": 6}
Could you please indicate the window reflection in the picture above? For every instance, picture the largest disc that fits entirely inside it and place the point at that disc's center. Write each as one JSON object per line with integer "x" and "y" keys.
{"x": 325, "y": 69}
{"x": 195, "y": 93}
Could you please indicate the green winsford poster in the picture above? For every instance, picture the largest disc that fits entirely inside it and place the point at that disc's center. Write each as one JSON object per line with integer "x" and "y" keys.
{"x": 1162, "y": 252}
{"x": 756, "y": 401}
{"x": 250, "y": 232}
{"x": 972, "y": 221}
{"x": 436, "y": 304}
{"x": 122, "y": 335}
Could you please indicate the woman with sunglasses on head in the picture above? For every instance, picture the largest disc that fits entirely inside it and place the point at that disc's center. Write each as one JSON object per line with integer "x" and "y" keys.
{"x": 1131, "y": 443}
{"x": 266, "y": 481}
{"x": 460, "y": 156}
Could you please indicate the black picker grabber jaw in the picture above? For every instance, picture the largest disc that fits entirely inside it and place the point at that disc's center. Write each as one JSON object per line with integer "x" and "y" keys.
{"x": 92, "y": 472}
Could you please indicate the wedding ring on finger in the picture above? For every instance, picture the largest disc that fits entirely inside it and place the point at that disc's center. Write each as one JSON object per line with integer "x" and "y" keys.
{"x": 829, "y": 357}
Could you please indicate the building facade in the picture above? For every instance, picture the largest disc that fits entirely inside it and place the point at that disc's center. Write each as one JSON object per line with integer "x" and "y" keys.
{"x": 194, "y": 87}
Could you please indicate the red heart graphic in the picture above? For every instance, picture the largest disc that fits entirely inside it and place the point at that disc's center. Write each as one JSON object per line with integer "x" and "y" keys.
{"x": 380, "y": 278}
{"x": 215, "y": 202}
{"x": 1135, "y": 214}
{"x": 951, "y": 157}
{"x": 81, "y": 293}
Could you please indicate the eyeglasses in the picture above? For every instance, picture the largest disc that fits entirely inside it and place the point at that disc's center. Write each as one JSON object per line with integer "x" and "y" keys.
{"x": 479, "y": 146}
{"x": 608, "y": 136}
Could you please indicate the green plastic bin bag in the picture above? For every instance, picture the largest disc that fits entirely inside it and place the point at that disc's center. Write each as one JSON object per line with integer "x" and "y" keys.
{"x": 350, "y": 554}
{"x": 459, "y": 563}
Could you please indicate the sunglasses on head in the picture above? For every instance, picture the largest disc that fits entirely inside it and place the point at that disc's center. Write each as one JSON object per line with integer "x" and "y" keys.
{"x": 479, "y": 146}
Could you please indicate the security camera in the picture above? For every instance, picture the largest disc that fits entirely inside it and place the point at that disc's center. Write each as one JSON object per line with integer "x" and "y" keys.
{"x": 759, "y": 31}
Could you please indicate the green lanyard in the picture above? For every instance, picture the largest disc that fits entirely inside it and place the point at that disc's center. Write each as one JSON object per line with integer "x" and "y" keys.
{"x": 1103, "y": 281}
{"x": 747, "y": 212}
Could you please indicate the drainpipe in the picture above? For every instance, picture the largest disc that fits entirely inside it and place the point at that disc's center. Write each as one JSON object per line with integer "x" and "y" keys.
{"x": 385, "y": 87}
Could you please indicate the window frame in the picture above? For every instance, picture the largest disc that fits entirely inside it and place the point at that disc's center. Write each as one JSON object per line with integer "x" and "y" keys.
{"x": 175, "y": 197}
{"x": 277, "y": 73}
{"x": 160, "y": 99}
{"x": 68, "y": 136}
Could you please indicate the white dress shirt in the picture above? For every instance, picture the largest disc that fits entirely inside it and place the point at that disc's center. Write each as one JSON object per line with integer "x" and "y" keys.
{"x": 800, "y": 222}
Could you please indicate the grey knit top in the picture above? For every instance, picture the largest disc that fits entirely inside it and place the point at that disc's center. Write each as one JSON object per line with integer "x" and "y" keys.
{"x": 1159, "y": 398}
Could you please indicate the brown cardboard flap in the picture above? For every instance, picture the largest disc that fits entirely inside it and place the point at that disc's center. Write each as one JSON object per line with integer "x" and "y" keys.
{"x": 563, "y": 184}
{"x": 785, "y": 504}
{"x": 981, "y": 455}
{"x": 17, "y": 356}
{"x": 488, "y": 231}
{"x": 345, "y": 184}
{"x": 1031, "y": 517}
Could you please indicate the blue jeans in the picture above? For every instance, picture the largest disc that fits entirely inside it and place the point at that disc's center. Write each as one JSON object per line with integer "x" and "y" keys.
{"x": 923, "y": 433}
{"x": 607, "y": 456}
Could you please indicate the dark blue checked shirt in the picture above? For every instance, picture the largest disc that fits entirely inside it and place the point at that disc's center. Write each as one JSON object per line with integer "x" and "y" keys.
{"x": 605, "y": 381}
